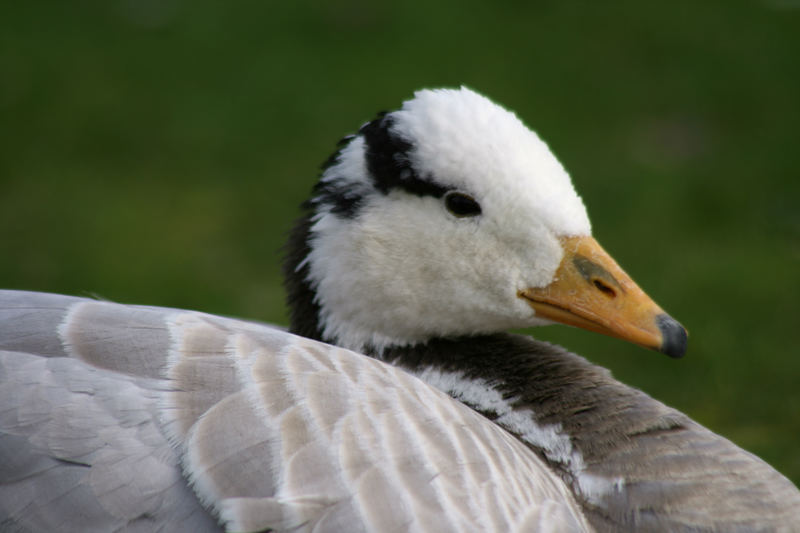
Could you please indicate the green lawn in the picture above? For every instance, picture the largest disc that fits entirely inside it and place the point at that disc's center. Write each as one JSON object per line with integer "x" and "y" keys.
{"x": 156, "y": 152}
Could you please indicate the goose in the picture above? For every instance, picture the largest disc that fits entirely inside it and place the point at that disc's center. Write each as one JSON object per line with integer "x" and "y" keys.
{"x": 396, "y": 400}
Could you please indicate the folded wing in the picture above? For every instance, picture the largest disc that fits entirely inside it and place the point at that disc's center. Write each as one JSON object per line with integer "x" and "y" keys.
{"x": 122, "y": 417}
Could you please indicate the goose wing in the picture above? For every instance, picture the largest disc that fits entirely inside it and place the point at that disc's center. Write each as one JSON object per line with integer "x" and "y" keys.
{"x": 116, "y": 417}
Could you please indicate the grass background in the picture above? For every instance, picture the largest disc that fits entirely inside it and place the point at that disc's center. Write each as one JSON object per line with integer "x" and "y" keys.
{"x": 156, "y": 151}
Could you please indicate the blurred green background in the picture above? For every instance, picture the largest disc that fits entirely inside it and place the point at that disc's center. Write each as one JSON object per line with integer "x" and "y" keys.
{"x": 156, "y": 152}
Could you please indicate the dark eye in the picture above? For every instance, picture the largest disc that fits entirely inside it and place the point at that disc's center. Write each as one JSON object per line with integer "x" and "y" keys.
{"x": 461, "y": 205}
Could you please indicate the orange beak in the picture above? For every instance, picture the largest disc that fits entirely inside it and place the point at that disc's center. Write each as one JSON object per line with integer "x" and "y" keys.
{"x": 591, "y": 291}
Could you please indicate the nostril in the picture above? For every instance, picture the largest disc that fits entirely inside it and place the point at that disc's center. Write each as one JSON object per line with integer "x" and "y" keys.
{"x": 598, "y": 276}
{"x": 605, "y": 289}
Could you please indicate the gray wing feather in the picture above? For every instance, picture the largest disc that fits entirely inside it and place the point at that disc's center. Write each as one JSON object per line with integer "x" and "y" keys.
{"x": 29, "y": 322}
{"x": 82, "y": 451}
{"x": 119, "y": 417}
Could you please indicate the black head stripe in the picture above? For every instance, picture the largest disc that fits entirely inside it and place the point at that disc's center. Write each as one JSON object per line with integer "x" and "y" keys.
{"x": 388, "y": 162}
{"x": 388, "y": 165}
{"x": 344, "y": 197}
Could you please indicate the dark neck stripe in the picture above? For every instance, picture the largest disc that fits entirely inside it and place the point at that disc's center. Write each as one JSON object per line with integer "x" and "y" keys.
{"x": 300, "y": 297}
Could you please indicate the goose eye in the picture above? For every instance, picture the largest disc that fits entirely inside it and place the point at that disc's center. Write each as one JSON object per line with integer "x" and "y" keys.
{"x": 461, "y": 205}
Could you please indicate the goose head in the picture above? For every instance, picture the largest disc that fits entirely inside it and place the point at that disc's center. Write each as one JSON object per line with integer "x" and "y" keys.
{"x": 449, "y": 217}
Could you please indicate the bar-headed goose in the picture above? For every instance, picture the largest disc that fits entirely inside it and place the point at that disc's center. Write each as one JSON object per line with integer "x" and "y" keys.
{"x": 431, "y": 231}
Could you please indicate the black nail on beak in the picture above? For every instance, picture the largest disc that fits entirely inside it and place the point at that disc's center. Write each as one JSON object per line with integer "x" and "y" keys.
{"x": 674, "y": 335}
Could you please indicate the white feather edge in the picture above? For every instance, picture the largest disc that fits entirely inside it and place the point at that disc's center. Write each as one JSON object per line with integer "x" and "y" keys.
{"x": 247, "y": 344}
{"x": 554, "y": 443}
{"x": 294, "y": 510}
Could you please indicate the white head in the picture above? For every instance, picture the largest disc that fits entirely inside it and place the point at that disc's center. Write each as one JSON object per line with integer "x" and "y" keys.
{"x": 433, "y": 220}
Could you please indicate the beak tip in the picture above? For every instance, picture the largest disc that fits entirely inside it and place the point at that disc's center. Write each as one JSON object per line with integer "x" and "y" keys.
{"x": 675, "y": 338}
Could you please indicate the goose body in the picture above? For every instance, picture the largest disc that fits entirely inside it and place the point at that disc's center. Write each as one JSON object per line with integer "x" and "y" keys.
{"x": 395, "y": 402}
